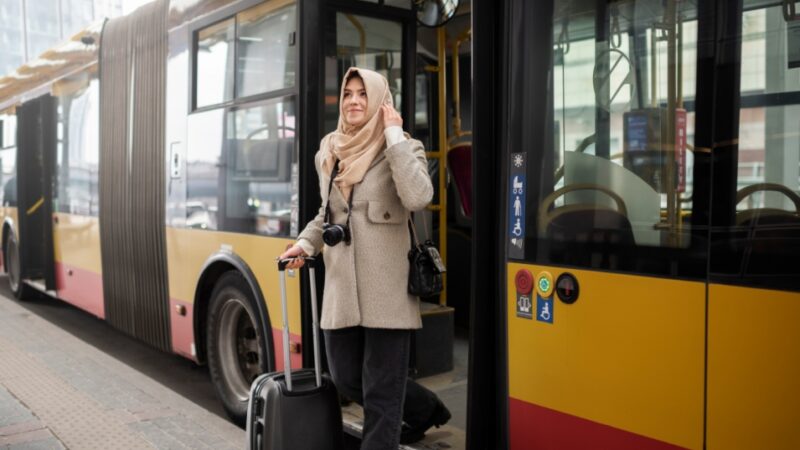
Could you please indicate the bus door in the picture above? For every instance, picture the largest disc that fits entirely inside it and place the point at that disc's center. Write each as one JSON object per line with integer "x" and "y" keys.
{"x": 754, "y": 290}
{"x": 36, "y": 139}
{"x": 382, "y": 36}
{"x": 606, "y": 272}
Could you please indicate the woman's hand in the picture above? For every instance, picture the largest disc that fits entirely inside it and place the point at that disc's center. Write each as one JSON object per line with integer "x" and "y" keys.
{"x": 390, "y": 116}
{"x": 294, "y": 252}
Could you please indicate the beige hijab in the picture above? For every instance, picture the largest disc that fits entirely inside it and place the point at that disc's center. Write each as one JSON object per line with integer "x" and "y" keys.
{"x": 357, "y": 147}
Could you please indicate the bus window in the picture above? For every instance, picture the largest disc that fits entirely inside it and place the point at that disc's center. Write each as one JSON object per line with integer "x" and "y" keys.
{"x": 78, "y": 149}
{"x": 619, "y": 175}
{"x": 215, "y": 63}
{"x": 265, "y": 49}
{"x": 361, "y": 41}
{"x": 8, "y": 160}
{"x": 244, "y": 184}
{"x": 761, "y": 244}
{"x": 260, "y": 150}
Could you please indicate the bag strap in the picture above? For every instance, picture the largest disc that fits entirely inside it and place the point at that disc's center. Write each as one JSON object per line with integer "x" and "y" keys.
{"x": 327, "y": 217}
{"x": 413, "y": 230}
{"x": 334, "y": 172}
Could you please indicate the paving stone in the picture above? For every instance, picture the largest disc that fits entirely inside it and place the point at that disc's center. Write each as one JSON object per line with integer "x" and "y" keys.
{"x": 58, "y": 392}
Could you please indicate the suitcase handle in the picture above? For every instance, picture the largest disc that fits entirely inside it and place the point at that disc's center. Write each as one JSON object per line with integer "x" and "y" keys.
{"x": 287, "y": 367}
{"x": 309, "y": 260}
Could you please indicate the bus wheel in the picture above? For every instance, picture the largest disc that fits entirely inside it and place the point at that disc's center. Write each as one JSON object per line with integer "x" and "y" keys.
{"x": 11, "y": 261}
{"x": 235, "y": 343}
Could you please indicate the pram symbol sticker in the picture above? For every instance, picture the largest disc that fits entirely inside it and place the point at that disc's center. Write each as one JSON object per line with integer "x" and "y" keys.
{"x": 516, "y": 185}
{"x": 516, "y": 206}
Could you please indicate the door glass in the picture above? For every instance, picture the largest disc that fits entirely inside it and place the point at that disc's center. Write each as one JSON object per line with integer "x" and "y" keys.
{"x": 366, "y": 42}
{"x": 622, "y": 106}
{"x": 8, "y": 160}
{"x": 762, "y": 244}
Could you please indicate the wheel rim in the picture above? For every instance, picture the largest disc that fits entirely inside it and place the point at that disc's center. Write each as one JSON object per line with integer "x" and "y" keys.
{"x": 12, "y": 264}
{"x": 239, "y": 349}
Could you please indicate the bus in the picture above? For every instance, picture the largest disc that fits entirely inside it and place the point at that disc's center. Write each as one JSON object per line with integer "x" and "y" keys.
{"x": 617, "y": 199}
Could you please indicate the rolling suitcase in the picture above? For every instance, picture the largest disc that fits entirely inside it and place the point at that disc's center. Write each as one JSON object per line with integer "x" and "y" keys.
{"x": 295, "y": 410}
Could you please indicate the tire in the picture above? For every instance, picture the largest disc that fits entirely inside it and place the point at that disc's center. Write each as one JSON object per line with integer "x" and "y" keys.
{"x": 13, "y": 267}
{"x": 236, "y": 345}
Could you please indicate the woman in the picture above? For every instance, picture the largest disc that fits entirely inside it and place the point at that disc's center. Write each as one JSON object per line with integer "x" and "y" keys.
{"x": 378, "y": 175}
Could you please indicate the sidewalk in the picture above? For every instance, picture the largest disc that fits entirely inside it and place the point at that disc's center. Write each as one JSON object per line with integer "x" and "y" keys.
{"x": 58, "y": 392}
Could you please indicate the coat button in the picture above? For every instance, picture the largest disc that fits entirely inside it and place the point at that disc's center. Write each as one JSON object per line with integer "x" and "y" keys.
{"x": 386, "y": 215}
{"x": 344, "y": 210}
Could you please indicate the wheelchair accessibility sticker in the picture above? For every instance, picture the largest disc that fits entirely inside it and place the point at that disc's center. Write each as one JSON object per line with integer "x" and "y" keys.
{"x": 516, "y": 206}
{"x": 544, "y": 309}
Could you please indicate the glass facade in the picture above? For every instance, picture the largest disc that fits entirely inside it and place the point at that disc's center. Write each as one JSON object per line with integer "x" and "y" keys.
{"x": 30, "y": 27}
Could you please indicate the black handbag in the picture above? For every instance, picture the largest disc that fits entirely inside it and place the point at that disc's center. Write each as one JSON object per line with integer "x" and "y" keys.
{"x": 425, "y": 267}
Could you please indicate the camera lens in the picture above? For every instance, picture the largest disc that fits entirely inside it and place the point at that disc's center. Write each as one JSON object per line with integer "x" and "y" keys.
{"x": 332, "y": 235}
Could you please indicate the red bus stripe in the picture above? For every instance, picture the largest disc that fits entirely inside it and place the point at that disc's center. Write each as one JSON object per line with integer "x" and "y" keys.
{"x": 536, "y": 427}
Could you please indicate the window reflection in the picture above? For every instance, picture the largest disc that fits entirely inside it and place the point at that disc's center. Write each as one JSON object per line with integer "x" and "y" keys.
{"x": 78, "y": 149}
{"x": 8, "y": 160}
{"x": 621, "y": 149}
{"x": 215, "y": 64}
{"x": 239, "y": 169}
{"x": 266, "y": 49}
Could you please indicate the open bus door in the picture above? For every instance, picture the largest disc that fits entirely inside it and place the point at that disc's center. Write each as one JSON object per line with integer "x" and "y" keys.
{"x": 383, "y": 36}
{"x": 36, "y": 144}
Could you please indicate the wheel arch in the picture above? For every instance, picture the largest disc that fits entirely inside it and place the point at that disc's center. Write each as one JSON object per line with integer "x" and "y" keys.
{"x": 215, "y": 266}
{"x": 8, "y": 228}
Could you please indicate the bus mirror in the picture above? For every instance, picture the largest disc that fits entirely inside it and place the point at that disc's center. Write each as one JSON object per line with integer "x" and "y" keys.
{"x": 435, "y": 13}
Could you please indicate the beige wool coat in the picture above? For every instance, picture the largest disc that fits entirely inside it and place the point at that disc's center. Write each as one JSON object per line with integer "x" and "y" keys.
{"x": 366, "y": 282}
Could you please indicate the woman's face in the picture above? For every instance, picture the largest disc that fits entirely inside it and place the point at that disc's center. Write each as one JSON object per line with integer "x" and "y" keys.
{"x": 354, "y": 103}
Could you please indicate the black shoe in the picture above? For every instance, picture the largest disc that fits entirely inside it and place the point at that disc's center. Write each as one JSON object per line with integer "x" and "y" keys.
{"x": 439, "y": 417}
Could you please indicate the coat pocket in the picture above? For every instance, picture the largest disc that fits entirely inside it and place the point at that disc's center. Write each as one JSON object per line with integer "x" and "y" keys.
{"x": 385, "y": 212}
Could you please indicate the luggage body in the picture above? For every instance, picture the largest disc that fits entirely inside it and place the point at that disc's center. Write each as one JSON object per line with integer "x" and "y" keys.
{"x": 294, "y": 409}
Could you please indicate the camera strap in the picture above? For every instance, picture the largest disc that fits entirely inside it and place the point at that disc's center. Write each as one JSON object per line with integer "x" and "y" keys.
{"x": 328, "y": 200}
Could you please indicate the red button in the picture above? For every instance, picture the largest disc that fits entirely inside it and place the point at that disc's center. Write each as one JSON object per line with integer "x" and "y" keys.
{"x": 524, "y": 281}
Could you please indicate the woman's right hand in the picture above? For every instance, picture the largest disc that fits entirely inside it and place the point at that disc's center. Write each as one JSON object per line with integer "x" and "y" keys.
{"x": 294, "y": 253}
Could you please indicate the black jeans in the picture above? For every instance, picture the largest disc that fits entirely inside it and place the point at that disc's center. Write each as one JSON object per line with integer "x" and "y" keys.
{"x": 370, "y": 367}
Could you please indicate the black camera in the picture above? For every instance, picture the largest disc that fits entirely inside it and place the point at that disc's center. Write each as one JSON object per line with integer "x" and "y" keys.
{"x": 333, "y": 233}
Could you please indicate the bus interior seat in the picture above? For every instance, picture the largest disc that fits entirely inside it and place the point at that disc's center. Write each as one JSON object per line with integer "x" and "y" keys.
{"x": 768, "y": 238}
{"x": 591, "y": 226}
{"x": 459, "y": 161}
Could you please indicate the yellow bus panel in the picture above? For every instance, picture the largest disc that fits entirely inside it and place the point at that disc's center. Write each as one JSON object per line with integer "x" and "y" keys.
{"x": 623, "y": 365}
{"x": 753, "y": 368}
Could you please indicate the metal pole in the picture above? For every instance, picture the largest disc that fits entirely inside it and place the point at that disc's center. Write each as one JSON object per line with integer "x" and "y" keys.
{"x": 287, "y": 365}
{"x": 669, "y": 142}
{"x": 315, "y": 323}
{"x": 442, "y": 74}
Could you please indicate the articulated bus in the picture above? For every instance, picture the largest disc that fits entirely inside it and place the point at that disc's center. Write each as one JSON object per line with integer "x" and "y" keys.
{"x": 617, "y": 199}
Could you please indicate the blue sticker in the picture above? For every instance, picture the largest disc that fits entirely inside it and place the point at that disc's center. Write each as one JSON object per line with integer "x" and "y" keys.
{"x": 544, "y": 309}
{"x": 516, "y": 208}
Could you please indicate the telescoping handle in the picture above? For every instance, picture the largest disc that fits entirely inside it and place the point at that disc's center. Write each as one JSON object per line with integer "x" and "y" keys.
{"x": 287, "y": 368}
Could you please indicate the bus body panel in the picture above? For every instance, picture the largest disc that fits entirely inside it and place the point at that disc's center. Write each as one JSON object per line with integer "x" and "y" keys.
{"x": 622, "y": 366}
{"x": 753, "y": 368}
{"x": 79, "y": 272}
{"x": 187, "y": 252}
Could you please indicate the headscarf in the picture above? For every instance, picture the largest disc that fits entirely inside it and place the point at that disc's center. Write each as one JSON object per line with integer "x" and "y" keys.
{"x": 357, "y": 147}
